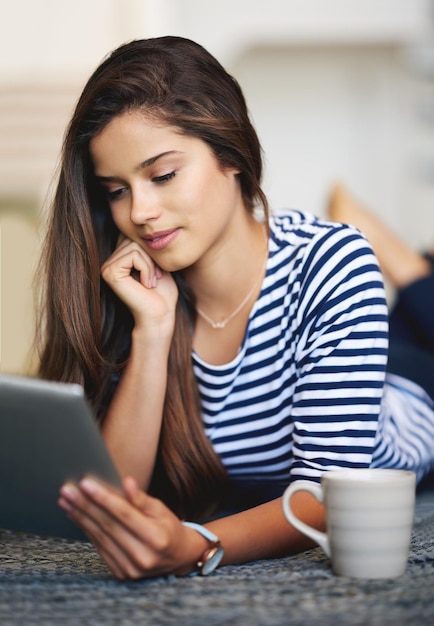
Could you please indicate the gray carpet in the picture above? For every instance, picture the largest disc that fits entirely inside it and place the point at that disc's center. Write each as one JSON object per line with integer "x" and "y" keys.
{"x": 57, "y": 582}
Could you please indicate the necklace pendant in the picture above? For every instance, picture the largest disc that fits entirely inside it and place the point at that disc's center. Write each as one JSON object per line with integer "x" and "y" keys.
{"x": 223, "y": 323}
{"x": 219, "y": 324}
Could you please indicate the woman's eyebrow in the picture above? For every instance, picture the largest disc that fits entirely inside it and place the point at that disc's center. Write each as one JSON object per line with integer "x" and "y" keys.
{"x": 153, "y": 159}
{"x": 142, "y": 165}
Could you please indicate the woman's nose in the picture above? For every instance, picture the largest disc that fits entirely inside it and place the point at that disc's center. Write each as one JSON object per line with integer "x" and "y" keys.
{"x": 144, "y": 207}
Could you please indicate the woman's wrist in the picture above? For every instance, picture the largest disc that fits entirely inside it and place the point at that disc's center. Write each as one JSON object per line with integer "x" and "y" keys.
{"x": 153, "y": 334}
{"x": 195, "y": 545}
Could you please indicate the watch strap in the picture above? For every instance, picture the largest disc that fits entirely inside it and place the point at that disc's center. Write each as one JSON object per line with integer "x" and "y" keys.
{"x": 202, "y": 531}
{"x": 212, "y": 555}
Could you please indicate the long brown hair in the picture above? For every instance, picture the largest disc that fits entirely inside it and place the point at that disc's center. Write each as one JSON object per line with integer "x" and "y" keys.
{"x": 84, "y": 329}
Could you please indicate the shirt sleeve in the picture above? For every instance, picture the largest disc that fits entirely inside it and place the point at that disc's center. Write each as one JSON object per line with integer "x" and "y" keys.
{"x": 341, "y": 354}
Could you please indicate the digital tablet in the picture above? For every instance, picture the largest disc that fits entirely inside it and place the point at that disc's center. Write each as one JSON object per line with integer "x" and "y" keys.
{"x": 48, "y": 435}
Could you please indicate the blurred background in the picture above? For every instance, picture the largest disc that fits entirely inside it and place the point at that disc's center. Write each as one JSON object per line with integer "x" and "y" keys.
{"x": 339, "y": 90}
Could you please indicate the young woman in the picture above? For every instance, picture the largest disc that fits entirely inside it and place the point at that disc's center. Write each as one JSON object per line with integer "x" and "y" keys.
{"x": 225, "y": 352}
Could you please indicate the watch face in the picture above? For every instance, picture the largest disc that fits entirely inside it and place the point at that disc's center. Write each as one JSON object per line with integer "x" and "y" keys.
{"x": 213, "y": 558}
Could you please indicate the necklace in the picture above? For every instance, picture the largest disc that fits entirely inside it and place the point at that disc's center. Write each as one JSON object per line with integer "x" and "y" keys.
{"x": 223, "y": 323}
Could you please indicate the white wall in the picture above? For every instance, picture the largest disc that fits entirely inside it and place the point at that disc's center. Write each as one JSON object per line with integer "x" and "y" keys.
{"x": 353, "y": 114}
{"x": 55, "y": 38}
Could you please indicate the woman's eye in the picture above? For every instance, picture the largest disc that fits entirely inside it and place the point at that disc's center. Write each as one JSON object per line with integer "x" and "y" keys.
{"x": 164, "y": 178}
{"x": 115, "y": 194}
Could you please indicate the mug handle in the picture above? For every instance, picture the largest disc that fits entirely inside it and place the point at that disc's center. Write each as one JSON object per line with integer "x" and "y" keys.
{"x": 303, "y": 485}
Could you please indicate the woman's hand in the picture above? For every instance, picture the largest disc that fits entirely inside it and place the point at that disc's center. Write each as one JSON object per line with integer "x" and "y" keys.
{"x": 135, "y": 534}
{"x": 151, "y": 293}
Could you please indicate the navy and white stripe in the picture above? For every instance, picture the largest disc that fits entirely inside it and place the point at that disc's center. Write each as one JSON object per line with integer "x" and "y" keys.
{"x": 405, "y": 437}
{"x": 304, "y": 393}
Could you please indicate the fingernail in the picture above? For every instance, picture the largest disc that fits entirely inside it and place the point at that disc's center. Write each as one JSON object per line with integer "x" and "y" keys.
{"x": 65, "y": 505}
{"x": 89, "y": 486}
{"x": 69, "y": 492}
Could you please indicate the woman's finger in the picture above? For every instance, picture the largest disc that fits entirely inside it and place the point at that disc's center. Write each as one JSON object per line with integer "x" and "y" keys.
{"x": 145, "y": 289}
{"x": 131, "y": 514}
{"x": 120, "y": 265}
{"x": 123, "y": 552}
{"x": 112, "y": 557}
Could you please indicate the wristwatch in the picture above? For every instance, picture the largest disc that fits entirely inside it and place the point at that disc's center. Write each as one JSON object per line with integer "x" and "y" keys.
{"x": 212, "y": 556}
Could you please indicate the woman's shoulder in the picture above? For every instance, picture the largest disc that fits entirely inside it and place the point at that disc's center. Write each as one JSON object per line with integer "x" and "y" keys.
{"x": 318, "y": 248}
{"x": 295, "y": 228}
{"x": 297, "y": 221}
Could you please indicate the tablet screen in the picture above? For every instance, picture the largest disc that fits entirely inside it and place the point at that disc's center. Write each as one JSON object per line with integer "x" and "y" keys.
{"x": 48, "y": 435}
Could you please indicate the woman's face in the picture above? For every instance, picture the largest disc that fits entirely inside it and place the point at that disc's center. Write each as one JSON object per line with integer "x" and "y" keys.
{"x": 166, "y": 190}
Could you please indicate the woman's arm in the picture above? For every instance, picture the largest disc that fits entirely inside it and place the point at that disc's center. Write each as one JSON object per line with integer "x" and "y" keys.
{"x": 264, "y": 532}
{"x": 138, "y": 536}
{"x": 341, "y": 355}
{"x": 131, "y": 427}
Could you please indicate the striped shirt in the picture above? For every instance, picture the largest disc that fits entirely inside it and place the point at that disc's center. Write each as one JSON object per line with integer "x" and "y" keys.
{"x": 307, "y": 390}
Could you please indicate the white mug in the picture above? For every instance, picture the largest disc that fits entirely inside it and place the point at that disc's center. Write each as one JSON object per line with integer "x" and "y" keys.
{"x": 369, "y": 519}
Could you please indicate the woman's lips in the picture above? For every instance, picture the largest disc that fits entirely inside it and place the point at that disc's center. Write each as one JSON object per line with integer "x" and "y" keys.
{"x": 161, "y": 239}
